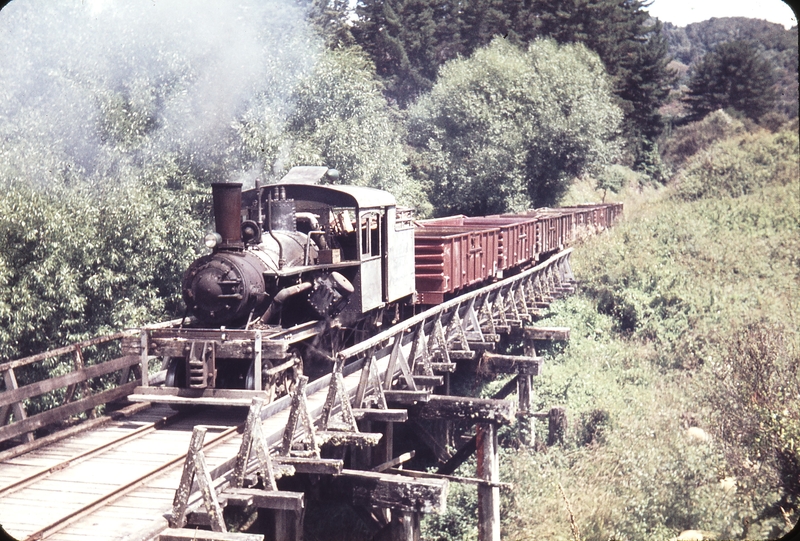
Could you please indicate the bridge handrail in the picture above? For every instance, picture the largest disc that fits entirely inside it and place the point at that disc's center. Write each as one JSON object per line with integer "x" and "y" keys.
{"x": 16, "y": 363}
{"x": 422, "y": 317}
{"x": 12, "y": 399}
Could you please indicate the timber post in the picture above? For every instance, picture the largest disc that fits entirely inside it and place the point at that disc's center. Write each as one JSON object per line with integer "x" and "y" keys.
{"x": 404, "y": 526}
{"x": 525, "y": 394}
{"x": 557, "y": 425}
{"x": 488, "y": 469}
{"x": 487, "y": 414}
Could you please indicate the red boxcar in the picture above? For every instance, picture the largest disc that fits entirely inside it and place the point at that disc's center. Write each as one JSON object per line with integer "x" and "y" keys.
{"x": 450, "y": 258}
{"x": 456, "y": 252}
{"x": 516, "y": 244}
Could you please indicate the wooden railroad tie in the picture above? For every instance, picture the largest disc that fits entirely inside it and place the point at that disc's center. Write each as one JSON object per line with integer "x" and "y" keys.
{"x": 546, "y": 333}
{"x": 454, "y": 408}
{"x": 385, "y": 490}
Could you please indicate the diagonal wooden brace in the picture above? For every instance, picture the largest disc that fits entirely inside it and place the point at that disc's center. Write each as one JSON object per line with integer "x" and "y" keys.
{"x": 195, "y": 468}
{"x": 299, "y": 412}
{"x": 253, "y": 439}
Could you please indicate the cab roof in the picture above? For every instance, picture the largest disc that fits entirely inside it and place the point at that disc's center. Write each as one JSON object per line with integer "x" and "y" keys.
{"x": 339, "y": 195}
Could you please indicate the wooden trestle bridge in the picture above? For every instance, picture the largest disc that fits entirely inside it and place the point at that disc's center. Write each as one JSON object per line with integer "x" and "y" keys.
{"x": 144, "y": 471}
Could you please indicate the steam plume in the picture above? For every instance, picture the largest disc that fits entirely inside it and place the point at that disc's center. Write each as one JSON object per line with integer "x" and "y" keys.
{"x": 93, "y": 86}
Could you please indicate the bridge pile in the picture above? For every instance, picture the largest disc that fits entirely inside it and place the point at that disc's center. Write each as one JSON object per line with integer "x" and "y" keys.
{"x": 334, "y": 437}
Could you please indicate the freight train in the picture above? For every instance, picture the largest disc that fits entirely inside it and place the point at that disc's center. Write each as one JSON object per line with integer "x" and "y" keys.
{"x": 308, "y": 267}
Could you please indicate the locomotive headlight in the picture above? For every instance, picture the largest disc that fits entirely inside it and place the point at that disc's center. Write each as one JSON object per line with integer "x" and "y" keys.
{"x": 213, "y": 239}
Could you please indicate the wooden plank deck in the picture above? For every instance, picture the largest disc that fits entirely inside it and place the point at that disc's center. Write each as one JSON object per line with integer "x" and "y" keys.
{"x": 30, "y": 508}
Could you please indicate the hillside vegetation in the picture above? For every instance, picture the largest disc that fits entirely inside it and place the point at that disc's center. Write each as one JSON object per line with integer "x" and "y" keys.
{"x": 681, "y": 374}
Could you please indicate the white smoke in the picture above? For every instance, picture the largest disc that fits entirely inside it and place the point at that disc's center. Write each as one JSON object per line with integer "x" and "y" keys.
{"x": 88, "y": 86}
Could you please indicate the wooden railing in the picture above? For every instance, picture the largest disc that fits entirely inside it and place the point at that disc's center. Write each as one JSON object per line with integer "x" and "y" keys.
{"x": 71, "y": 393}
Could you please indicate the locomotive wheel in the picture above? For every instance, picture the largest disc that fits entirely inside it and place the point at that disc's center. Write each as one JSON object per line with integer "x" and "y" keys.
{"x": 250, "y": 380}
{"x": 176, "y": 373}
{"x": 176, "y": 377}
{"x": 283, "y": 383}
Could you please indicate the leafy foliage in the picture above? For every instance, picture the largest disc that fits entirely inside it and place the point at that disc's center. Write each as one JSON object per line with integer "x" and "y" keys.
{"x": 409, "y": 40}
{"x": 754, "y": 394}
{"x": 774, "y": 43}
{"x": 740, "y": 165}
{"x": 507, "y": 129}
{"x": 341, "y": 118}
{"x": 632, "y": 49}
{"x": 78, "y": 261}
{"x": 685, "y": 321}
{"x": 688, "y": 140}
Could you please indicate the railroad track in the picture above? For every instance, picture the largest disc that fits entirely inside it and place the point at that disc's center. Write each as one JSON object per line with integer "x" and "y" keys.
{"x": 168, "y": 433}
{"x": 88, "y": 454}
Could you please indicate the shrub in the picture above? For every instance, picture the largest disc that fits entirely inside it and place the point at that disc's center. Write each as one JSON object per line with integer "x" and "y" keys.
{"x": 741, "y": 165}
{"x": 754, "y": 392}
{"x": 342, "y": 120}
{"x": 507, "y": 129}
{"x": 692, "y": 138}
{"x": 615, "y": 177}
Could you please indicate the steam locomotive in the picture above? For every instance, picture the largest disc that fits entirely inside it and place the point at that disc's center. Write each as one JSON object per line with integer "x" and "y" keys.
{"x": 296, "y": 251}
{"x": 299, "y": 268}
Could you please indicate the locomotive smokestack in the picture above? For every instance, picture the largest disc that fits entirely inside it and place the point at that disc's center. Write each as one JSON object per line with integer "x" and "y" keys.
{"x": 228, "y": 213}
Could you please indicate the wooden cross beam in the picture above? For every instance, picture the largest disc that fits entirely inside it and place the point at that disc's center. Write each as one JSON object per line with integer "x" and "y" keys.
{"x": 455, "y": 408}
{"x": 493, "y": 363}
{"x": 397, "y": 492}
{"x": 546, "y": 333}
{"x": 193, "y": 534}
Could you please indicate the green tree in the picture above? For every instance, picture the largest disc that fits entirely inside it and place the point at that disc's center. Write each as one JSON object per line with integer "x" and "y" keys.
{"x": 339, "y": 119}
{"x": 633, "y": 50}
{"x": 732, "y": 76}
{"x": 90, "y": 258}
{"x": 410, "y": 39}
{"x": 407, "y": 40}
{"x": 331, "y": 19}
{"x": 508, "y": 128}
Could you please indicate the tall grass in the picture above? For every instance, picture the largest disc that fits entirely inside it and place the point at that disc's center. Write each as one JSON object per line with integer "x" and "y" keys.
{"x": 687, "y": 318}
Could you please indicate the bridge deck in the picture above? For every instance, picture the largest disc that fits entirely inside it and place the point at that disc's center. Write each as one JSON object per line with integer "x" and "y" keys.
{"x": 67, "y": 495}
{"x": 72, "y": 488}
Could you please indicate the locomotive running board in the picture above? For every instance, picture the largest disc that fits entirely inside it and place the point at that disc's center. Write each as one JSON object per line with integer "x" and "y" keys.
{"x": 203, "y": 397}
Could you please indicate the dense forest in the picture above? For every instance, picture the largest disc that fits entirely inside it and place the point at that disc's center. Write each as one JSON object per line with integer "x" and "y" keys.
{"x": 116, "y": 116}
{"x": 775, "y": 46}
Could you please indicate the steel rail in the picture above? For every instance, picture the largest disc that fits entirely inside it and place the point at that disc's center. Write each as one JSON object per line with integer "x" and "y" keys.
{"x": 81, "y": 457}
{"x": 121, "y": 491}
